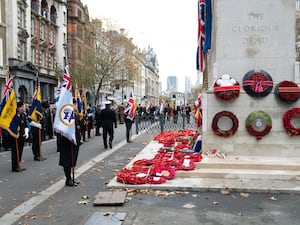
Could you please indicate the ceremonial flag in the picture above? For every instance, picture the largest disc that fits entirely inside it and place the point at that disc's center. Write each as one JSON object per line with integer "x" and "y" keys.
{"x": 208, "y": 26}
{"x": 78, "y": 100}
{"x": 131, "y": 107}
{"x": 58, "y": 90}
{"x": 200, "y": 62}
{"x": 8, "y": 108}
{"x": 64, "y": 121}
{"x": 35, "y": 112}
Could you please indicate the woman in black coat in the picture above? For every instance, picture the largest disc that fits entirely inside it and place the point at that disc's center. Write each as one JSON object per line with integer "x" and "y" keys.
{"x": 69, "y": 153}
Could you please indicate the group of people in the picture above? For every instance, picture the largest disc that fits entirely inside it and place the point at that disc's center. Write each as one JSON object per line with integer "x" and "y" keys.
{"x": 166, "y": 110}
{"x": 32, "y": 132}
{"x": 29, "y": 131}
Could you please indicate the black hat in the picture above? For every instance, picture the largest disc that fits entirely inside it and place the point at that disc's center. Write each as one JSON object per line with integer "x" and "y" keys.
{"x": 20, "y": 103}
{"x": 45, "y": 105}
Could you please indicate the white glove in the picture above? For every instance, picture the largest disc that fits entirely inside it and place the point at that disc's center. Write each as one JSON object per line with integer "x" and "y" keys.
{"x": 26, "y": 135}
{"x": 35, "y": 124}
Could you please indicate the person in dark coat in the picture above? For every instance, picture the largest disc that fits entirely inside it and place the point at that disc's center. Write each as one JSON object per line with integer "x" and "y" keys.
{"x": 90, "y": 119}
{"x": 108, "y": 118}
{"x": 17, "y": 146}
{"x": 69, "y": 151}
{"x": 98, "y": 121}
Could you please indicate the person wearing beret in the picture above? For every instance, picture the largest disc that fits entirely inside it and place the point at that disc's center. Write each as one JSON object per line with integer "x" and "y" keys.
{"x": 17, "y": 146}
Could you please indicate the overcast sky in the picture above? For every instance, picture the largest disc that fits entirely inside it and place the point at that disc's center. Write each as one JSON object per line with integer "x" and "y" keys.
{"x": 168, "y": 26}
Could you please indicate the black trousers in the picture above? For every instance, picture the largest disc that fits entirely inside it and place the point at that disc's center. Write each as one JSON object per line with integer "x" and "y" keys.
{"x": 128, "y": 123}
{"x": 16, "y": 145}
{"x": 36, "y": 141}
{"x": 110, "y": 131}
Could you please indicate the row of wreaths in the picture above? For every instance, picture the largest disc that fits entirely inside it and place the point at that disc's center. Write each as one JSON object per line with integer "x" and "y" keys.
{"x": 259, "y": 84}
{"x": 258, "y": 123}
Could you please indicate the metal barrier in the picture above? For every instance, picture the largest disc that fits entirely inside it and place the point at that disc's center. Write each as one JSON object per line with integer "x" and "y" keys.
{"x": 161, "y": 122}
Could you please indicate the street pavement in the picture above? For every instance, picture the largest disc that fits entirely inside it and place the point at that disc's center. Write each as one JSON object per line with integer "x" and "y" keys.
{"x": 38, "y": 195}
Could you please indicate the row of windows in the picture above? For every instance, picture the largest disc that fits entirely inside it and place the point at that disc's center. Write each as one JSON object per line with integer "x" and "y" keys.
{"x": 43, "y": 58}
{"x": 43, "y": 31}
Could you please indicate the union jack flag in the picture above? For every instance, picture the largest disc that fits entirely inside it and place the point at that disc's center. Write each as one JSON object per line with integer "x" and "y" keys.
{"x": 8, "y": 85}
{"x": 130, "y": 109}
{"x": 67, "y": 79}
{"x": 200, "y": 62}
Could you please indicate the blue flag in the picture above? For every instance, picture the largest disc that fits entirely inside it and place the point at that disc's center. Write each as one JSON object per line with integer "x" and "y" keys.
{"x": 208, "y": 26}
{"x": 8, "y": 109}
{"x": 36, "y": 113}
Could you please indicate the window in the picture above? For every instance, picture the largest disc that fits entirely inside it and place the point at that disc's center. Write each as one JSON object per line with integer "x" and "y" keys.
{"x": 51, "y": 61}
{"x": 33, "y": 55}
{"x": 42, "y": 31}
{"x": 43, "y": 58}
{"x": 32, "y": 26}
{"x": 22, "y": 50}
{"x": 21, "y": 18}
{"x": 51, "y": 35}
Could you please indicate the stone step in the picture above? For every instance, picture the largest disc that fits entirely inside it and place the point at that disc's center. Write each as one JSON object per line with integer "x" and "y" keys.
{"x": 240, "y": 174}
{"x": 215, "y": 185}
{"x": 250, "y": 163}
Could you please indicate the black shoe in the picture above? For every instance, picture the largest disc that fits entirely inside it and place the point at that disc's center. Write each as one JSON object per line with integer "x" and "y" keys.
{"x": 105, "y": 146}
{"x": 39, "y": 158}
{"x": 76, "y": 182}
{"x": 129, "y": 141}
{"x": 70, "y": 183}
{"x": 16, "y": 170}
{"x": 110, "y": 145}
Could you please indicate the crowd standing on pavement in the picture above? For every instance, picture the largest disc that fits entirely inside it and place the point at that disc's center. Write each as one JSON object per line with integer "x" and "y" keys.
{"x": 94, "y": 117}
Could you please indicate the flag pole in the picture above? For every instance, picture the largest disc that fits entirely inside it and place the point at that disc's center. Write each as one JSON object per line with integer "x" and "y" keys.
{"x": 72, "y": 163}
{"x": 40, "y": 145}
{"x": 18, "y": 154}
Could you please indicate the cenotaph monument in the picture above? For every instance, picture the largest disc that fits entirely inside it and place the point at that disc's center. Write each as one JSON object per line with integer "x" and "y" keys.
{"x": 253, "y": 45}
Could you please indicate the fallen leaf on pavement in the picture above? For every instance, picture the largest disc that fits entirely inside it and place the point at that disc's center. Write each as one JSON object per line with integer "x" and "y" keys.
{"x": 106, "y": 214}
{"x": 273, "y": 198}
{"x": 84, "y": 202}
{"x": 215, "y": 203}
{"x": 31, "y": 216}
{"x": 48, "y": 216}
{"x": 189, "y": 206}
{"x": 245, "y": 195}
{"x": 225, "y": 192}
{"x": 85, "y": 197}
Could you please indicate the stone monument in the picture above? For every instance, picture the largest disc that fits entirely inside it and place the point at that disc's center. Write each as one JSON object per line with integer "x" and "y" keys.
{"x": 251, "y": 36}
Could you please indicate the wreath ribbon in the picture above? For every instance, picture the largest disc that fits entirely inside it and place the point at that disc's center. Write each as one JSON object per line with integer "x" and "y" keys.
{"x": 227, "y": 88}
{"x": 289, "y": 89}
{"x": 258, "y": 84}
